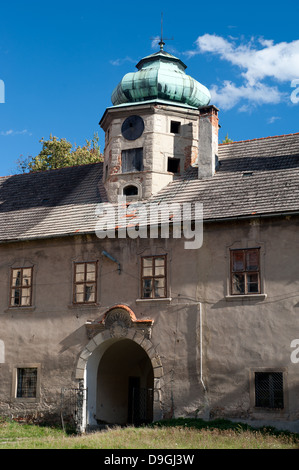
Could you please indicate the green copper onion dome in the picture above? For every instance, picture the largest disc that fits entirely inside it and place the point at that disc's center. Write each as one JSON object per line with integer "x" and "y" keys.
{"x": 160, "y": 76}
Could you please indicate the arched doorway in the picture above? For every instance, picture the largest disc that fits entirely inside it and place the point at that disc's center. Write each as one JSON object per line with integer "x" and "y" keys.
{"x": 125, "y": 384}
{"x": 119, "y": 371}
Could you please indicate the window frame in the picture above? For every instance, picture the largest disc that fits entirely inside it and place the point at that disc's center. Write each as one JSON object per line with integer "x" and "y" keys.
{"x": 21, "y": 287}
{"x": 25, "y": 389}
{"x": 85, "y": 282}
{"x": 15, "y": 383}
{"x": 132, "y": 160}
{"x": 153, "y": 277}
{"x": 245, "y": 272}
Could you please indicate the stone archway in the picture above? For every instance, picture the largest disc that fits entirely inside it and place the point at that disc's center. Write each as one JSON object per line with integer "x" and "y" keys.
{"x": 118, "y": 332}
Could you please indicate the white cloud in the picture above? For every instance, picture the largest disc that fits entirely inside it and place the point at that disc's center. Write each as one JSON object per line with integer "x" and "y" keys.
{"x": 118, "y": 62}
{"x": 155, "y": 42}
{"x": 229, "y": 94}
{"x": 259, "y": 60}
{"x": 212, "y": 43}
{"x": 279, "y": 61}
{"x": 12, "y": 132}
{"x": 273, "y": 119}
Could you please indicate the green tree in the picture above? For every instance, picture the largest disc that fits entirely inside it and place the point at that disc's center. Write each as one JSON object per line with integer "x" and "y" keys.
{"x": 226, "y": 140}
{"x": 59, "y": 153}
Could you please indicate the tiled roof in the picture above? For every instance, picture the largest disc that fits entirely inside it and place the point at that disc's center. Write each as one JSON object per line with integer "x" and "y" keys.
{"x": 50, "y": 203}
{"x": 259, "y": 176}
{"x": 255, "y": 177}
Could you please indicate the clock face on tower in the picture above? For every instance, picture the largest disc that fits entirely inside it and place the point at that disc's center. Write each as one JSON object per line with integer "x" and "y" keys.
{"x": 132, "y": 127}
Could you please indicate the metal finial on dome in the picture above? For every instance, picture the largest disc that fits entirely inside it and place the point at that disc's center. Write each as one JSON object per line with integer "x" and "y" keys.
{"x": 161, "y": 42}
{"x": 160, "y": 76}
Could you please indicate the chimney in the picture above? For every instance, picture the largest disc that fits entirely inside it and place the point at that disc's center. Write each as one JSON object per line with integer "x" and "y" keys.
{"x": 208, "y": 141}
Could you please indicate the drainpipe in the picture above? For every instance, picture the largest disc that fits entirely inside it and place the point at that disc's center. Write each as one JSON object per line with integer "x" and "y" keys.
{"x": 206, "y": 397}
{"x": 200, "y": 340}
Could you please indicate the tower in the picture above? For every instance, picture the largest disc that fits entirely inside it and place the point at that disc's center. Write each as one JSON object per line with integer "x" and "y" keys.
{"x": 152, "y": 129}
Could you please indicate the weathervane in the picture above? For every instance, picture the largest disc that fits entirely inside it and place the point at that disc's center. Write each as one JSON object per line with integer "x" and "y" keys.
{"x": 161, "y": 42}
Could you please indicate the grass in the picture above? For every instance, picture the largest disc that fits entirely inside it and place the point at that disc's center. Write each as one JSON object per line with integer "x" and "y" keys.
{"x": 172, "y": 434}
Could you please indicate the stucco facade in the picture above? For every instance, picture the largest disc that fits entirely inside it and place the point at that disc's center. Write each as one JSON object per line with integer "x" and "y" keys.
{"x": 198, "y": 349}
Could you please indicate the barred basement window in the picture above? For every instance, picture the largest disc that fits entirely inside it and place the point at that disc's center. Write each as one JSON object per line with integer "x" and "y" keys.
{"x": 85, "y": 282}
{"x": 245, "y": 271}
{"x": 26, "y": 382}
{"x": 269, "y": 390}
{"x": 21, "y": 287}
{"x": 153, "y": 276}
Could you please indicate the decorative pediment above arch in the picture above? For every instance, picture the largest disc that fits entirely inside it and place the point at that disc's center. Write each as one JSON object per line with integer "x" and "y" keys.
{"x": 119, "y": 320}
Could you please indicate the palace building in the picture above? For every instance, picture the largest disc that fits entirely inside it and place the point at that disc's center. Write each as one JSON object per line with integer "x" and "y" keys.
{"x": 129, "y": 329}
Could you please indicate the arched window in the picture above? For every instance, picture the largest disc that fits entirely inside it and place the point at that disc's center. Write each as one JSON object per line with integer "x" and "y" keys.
{"x": 130, "y": 190}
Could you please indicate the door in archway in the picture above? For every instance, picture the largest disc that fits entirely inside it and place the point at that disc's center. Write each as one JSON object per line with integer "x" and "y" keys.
{"x": 124, "y": 385}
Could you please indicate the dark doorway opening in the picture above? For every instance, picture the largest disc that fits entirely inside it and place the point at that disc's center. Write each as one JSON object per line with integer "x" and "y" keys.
{"x": 125, "y": 385}
{"x": 140, "y": 403}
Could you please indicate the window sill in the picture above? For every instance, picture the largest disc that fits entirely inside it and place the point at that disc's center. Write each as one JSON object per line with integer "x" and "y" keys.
{"x": 158, "y": 299}
{"x": 246, "y": 297}
{"x": 83, "y": 305}
{"x": 26, "y": 400}
{"x": 18, "y": 308}
{"x": 265, "y": 409}
{"x": 269, "y": 413}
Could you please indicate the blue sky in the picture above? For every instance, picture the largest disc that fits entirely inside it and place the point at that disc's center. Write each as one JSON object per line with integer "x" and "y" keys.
{"x": 60, "y": 61}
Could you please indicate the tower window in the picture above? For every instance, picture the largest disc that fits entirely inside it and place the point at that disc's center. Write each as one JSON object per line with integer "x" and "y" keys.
{"x": 132, "y": 160}
{"x": 130, "y": 190}
{"x": 175, "y": 127}
{"x": 173, "y": 165}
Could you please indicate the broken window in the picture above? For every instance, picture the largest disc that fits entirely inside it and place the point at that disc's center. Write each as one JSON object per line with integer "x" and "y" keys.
{"x": 132, "y": 160}
{"x": 175, "y": 127}
{"x": 26, "y": 382}
{"x": 173, "y": 165}
{"x": 130, "y": 190}
{"x": 245, "y": 271}
{"x": 85, "y": 280}
{"x": 21, "y": 287}
{"x": 269, "y": 390}
{"x": 153, "y": 275}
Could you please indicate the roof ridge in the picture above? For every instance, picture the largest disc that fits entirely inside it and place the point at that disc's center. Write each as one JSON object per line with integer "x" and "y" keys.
{"x": 50, "y": 169}
{"x": 258, "y": 138}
